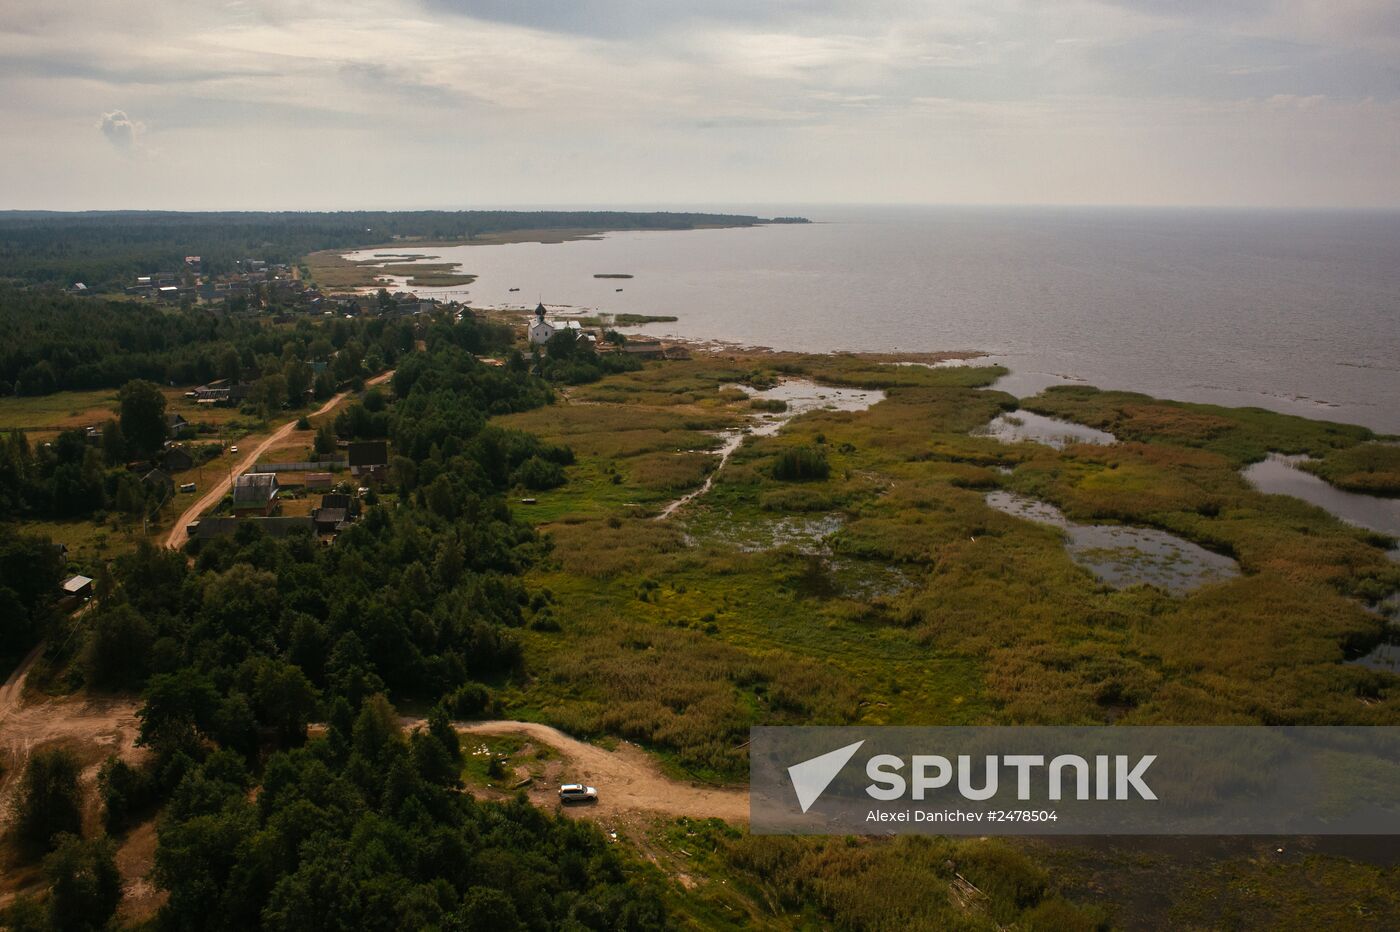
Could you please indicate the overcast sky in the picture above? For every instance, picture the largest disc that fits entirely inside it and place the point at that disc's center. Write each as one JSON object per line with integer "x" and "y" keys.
{"x": 457, "y": 103}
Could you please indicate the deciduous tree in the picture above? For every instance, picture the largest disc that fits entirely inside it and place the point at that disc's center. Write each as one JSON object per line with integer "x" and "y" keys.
{"x": 143, "y": 416}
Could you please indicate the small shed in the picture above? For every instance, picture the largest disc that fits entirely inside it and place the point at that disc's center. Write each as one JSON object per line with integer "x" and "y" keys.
{"x": 78, "y": 587}
{"x": 329, "y": 520}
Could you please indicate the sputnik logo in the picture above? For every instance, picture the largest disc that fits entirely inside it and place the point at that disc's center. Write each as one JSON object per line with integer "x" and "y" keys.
{"x": 811, "y": 777}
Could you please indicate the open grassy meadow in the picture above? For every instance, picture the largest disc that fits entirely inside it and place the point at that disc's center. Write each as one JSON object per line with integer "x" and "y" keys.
{"x": 58, "y": 411}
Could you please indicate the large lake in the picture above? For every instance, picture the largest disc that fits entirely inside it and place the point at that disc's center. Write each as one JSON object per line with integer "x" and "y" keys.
{"x": 1293, "y": 311}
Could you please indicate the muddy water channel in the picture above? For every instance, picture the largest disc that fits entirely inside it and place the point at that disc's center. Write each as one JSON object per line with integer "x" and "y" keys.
{"x": 1125, "y": 556}
{"x": 801, "y": 397}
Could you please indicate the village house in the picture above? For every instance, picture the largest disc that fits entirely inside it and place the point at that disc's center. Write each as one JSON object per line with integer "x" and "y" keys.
{"x": 222, "y": 392}
{"x": 158, "y": 483}
{"x": 177, "y": 459}
{"x": 645, "y": 349}
{"x": 176, "y": 425}
{"x": 368, "y": 457}
{"x": 255, "y": 492}
{"x": 330, "y": 520}
{"x": 349, "y": 503}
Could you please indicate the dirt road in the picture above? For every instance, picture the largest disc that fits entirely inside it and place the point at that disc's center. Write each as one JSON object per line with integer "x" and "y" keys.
{"x": 178, "y": 536}
{"x": 14, "y": 686}
{"x": 628, "y": 779}
{"x": 98, "y": 727}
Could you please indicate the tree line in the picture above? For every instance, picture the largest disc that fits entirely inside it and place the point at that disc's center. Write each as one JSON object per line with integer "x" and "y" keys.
{"x": 51, "y": 341}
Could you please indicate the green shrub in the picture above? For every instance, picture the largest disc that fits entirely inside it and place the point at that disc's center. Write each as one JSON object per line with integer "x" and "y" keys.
{"x": 85, "y": 886}
{"x": 801, "y": 464}
{"x": 471, "y": 700}
{"x": 126, "y": 792}
{"x": 49, "y": 799}
{"x": 117, "y": 648}
{"x": 771, "y": 405}
{"x": 537, "y": 473}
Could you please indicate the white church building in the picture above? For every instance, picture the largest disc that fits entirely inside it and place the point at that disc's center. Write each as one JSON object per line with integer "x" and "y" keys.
{"x": 540, "y": 329}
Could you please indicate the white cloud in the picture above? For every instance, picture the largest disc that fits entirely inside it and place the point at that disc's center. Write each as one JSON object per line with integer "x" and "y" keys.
{"x": 119, "y": 130}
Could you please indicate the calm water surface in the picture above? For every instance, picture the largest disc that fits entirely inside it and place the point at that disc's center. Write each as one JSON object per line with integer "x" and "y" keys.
{"x": 1051, "y": 431}
{"x": 1293, "y": 311}
{"x": 1121, "y": 555}
{"x": 1280, "y": 475}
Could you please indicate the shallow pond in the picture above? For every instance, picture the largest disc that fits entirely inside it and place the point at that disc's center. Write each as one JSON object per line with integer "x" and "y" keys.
{"x": 1385, "y": 655}
{"x": 805, "y": 533}
{"x": 1124, "y": 556}
{"x": 1016, "y": 426}
{"x": 1280, "y": 475}
{"x": 869, "y": 580}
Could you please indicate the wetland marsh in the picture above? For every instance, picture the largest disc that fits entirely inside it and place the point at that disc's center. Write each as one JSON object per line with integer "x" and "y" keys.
{"x": 889, "y": 587}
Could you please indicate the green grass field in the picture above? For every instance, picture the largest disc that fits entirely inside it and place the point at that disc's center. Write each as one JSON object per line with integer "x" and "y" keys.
{"x": 59, "y": 411}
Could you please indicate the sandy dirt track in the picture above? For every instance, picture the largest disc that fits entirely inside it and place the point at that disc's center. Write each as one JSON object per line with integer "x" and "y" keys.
{"x": 628, "y": 779}
{"x": 106, "y": 725}
{"x": 178, "y": 536}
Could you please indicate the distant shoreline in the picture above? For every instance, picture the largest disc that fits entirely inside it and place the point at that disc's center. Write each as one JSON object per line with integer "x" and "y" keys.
{"x": 332, "y": 271}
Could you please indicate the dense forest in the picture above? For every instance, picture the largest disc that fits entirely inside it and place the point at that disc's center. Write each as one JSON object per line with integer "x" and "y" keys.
{"x": 235, "y": 655}
{"x": 50, "y": 341}
{"x": 103, "y": 247}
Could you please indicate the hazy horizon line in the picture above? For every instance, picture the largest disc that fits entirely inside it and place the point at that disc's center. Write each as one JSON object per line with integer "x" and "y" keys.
{"x": 753, "y": 208}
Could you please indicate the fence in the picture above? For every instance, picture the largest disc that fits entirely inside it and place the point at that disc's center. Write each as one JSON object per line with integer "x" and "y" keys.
{"x": 329, "y": 466}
